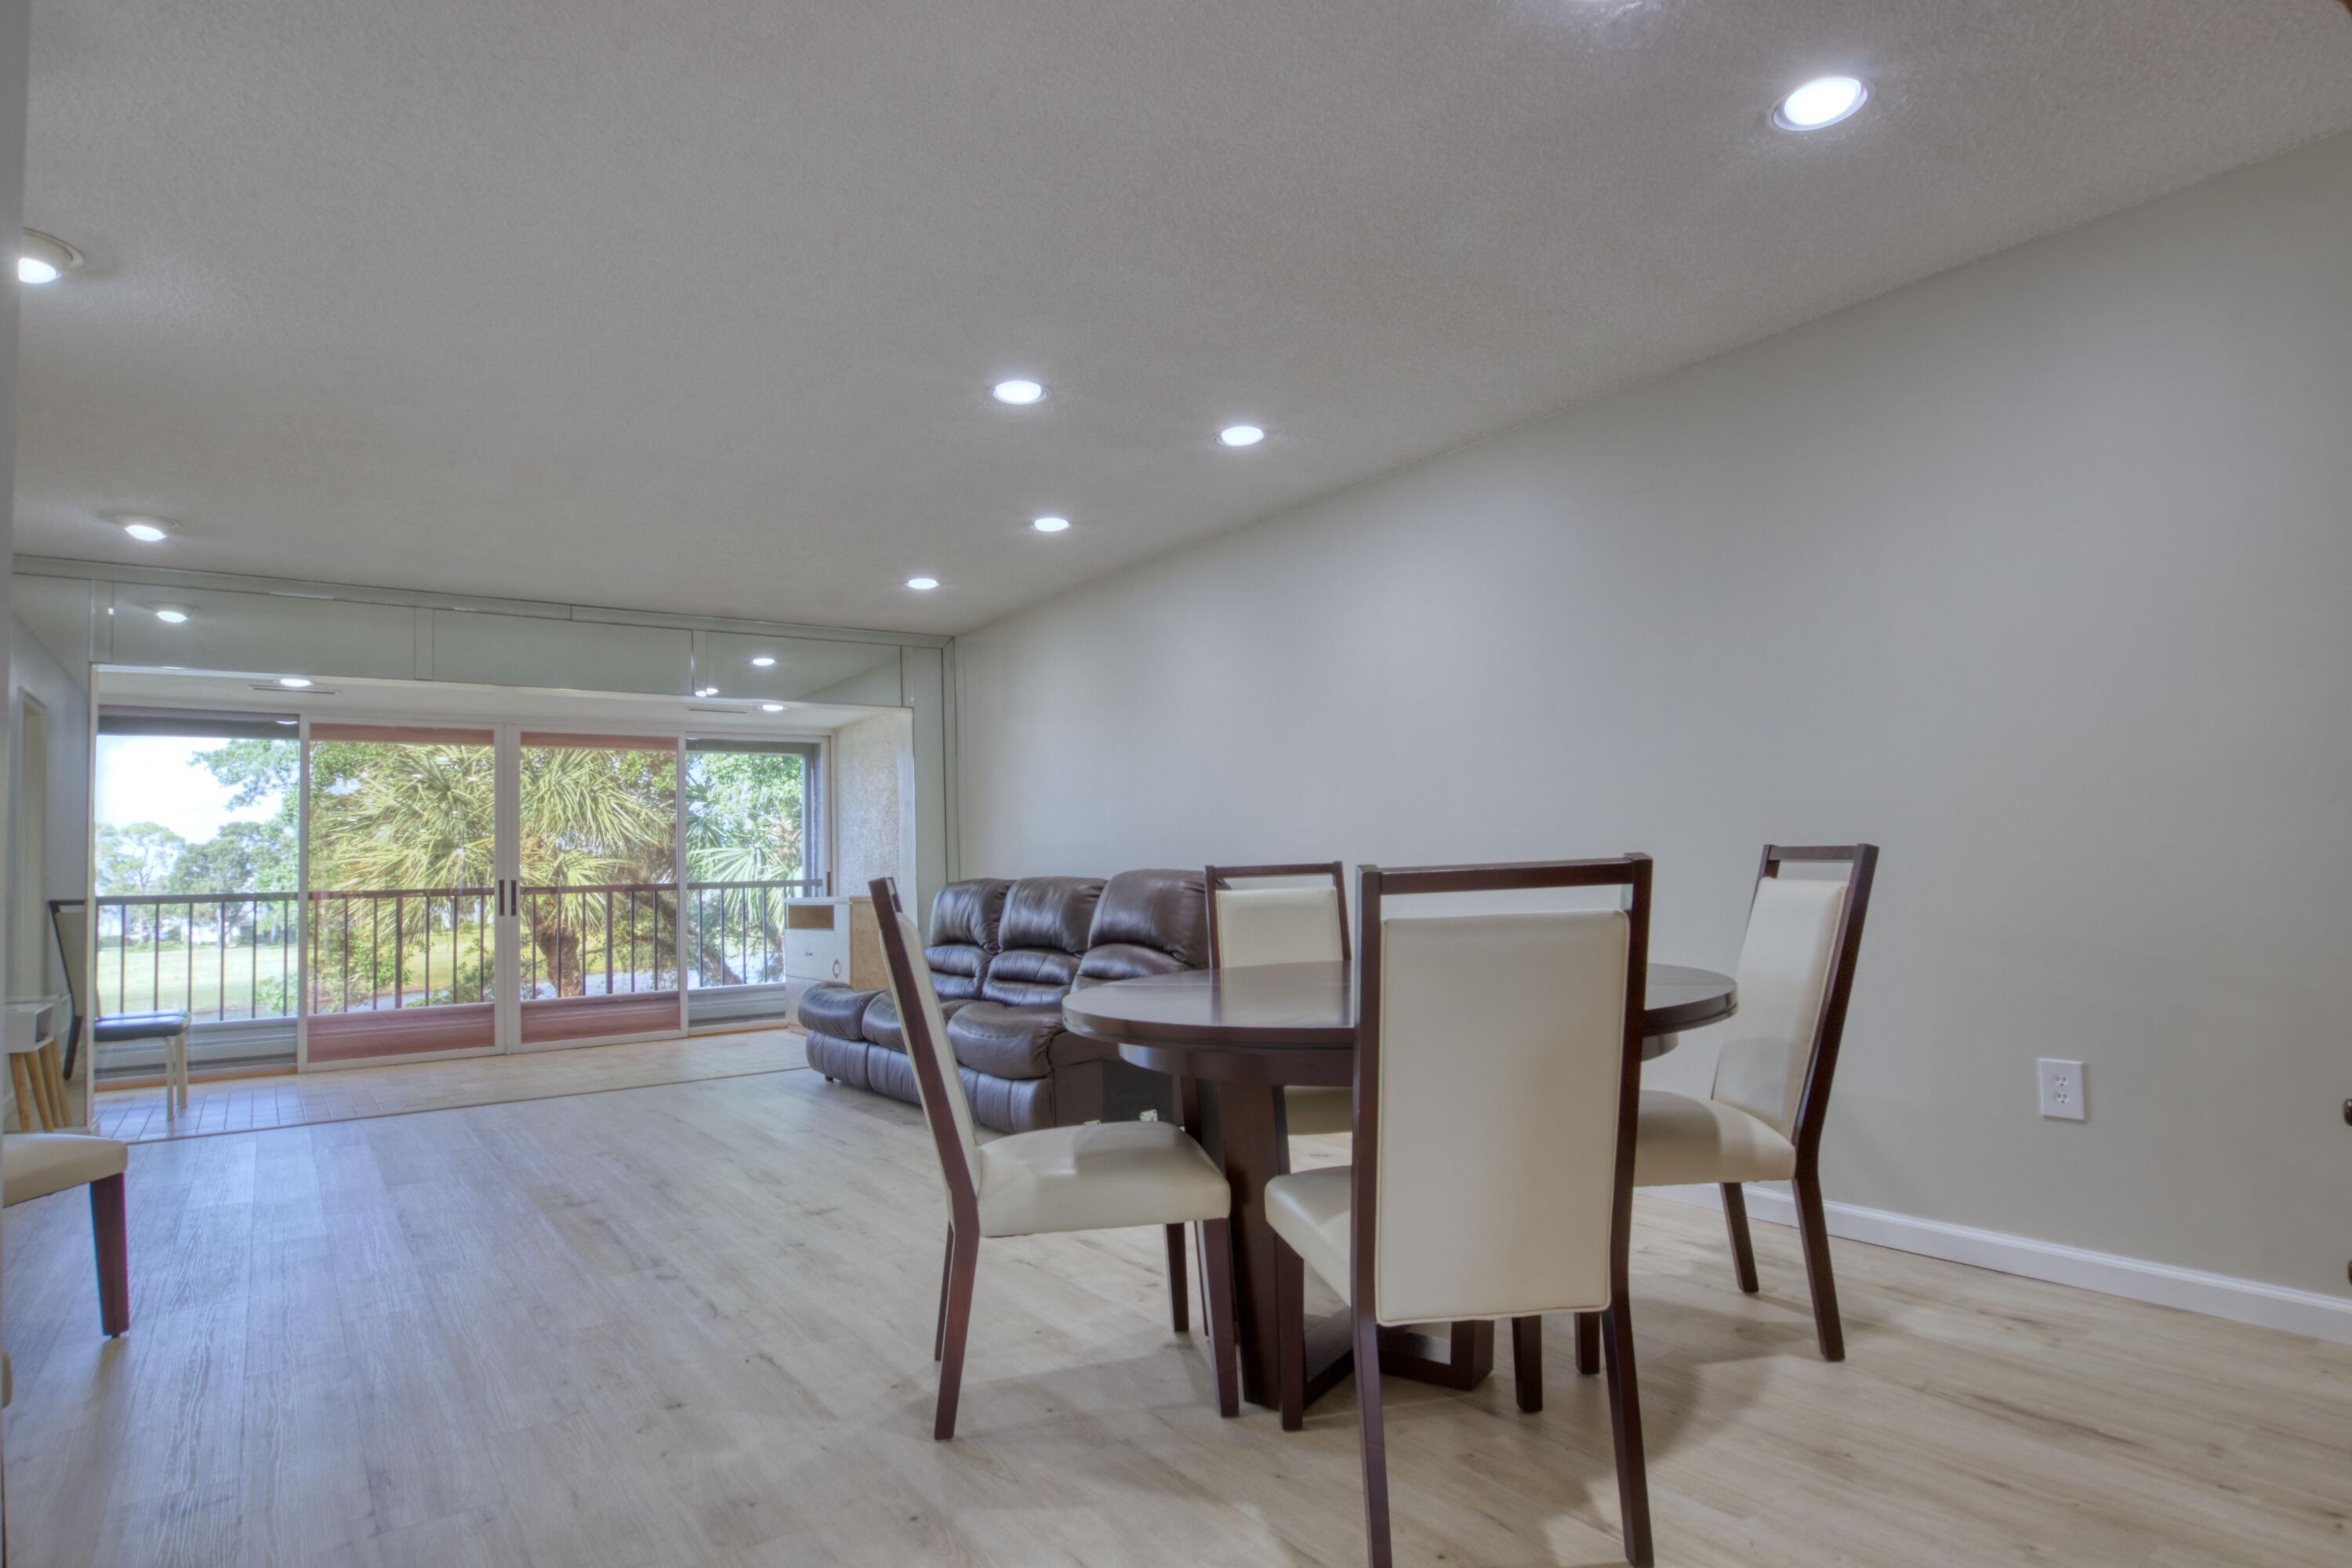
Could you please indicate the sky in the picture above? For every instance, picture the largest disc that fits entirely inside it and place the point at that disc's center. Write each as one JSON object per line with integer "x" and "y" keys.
{"x": 158, "y": 778}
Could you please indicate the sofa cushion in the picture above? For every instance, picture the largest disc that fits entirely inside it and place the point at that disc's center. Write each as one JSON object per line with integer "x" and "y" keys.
{"x": 1042, "y": 935}
{"x": 881, "y": 1022}
{"x": 836, "y": 1010}
{"x": 1147, "y": 923}
{"x": 1017, "y": 1042}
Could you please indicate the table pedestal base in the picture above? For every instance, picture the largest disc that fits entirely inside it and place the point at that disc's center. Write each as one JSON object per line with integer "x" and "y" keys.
{"x": 1461, "y": 1358}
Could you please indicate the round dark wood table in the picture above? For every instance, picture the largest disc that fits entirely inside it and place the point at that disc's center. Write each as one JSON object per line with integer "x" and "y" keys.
{"x": 1242, "y": 1035}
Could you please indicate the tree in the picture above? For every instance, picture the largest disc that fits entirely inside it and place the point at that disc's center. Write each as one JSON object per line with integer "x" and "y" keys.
{"x": 242, "y": 857}
{"x": 139, "y": 858}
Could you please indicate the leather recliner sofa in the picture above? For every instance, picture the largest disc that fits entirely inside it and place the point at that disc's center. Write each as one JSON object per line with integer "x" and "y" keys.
{"x": 1003, "y": 955}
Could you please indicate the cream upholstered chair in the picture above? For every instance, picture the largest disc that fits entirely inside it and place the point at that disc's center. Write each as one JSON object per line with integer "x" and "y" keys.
{"x": 68, "y": 917}
{"x": 1498, "y": 1062}
{"x": 1284, "y": 925}
{"x": 1096, "y": 1176}
{"x": 1763, "y": 1120}
{"x": 35, "y": 1164}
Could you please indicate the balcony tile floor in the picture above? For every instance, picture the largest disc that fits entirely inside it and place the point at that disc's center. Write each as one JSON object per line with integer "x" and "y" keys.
{"x": 300, "y": 1099}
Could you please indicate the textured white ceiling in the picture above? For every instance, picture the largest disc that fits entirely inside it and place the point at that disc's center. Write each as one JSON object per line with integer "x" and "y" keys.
{"x": 691, "y": 307}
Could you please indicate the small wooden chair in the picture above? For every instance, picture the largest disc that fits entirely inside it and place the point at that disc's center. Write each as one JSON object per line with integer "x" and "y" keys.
{"x": 1763, "y": 1119}
{"x": 70, "y": 917}
{"x": 1498, "y": 1071}
{"x": 1102, "y": 1175}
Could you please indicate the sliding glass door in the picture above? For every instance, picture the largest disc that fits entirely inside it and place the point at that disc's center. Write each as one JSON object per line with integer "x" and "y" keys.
{"x": 596, "y": 893}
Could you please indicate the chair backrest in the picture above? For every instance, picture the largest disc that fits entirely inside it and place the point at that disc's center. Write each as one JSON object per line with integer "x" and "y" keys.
{"x": 1041, "y": 937}
{"x": 70, "y": 919}
{"x": 1498, "y": 1063}
{"x": 1250, "y": 926}
{"x": 963, "y": 935}
{"x": 937, "y": 1082}
{"x": 1796, "y": 975}
{"x": 1146, "y": 922}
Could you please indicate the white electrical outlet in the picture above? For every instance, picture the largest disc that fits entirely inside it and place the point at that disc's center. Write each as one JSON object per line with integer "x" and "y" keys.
{"x": 2064, "y": 1092}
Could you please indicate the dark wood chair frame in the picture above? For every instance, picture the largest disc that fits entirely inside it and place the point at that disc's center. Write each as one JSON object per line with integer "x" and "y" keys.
{"x": 1813, "y": 1108}
{"x": 962, "y": 1262}
{"x": 1614, "y": 1329}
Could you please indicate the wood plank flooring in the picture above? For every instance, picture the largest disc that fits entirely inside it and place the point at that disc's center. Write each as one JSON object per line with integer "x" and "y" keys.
{"x": 690, "y": 1327}
{"x": 300, "y": 1099}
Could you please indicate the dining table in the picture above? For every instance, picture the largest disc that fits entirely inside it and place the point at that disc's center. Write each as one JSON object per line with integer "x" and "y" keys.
{"x": 1241, "y": 1036}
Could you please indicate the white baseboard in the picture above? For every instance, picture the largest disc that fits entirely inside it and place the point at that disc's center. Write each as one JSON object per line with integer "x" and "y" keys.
{"x": 2216, "y": 1295}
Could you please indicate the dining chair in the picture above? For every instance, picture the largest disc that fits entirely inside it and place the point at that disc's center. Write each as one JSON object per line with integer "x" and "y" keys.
{"x": 35, "y": 1164}
{"x": 68, "y": 917}
{"x": 1103, "y": 1175}
{"x": 1502, "y": 1184}
{"x": 1284, "y": 925}
{"x": 1763, "y": 1121}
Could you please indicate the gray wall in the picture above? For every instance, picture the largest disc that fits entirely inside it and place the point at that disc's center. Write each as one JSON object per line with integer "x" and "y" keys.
{"x": 873, "y": 777}
{"x": 2039, "y": 574}
{"x": 34, "y": 671}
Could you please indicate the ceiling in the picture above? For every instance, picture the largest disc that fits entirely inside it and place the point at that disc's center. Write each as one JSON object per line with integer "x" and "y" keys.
{"x": 694, "y": 308}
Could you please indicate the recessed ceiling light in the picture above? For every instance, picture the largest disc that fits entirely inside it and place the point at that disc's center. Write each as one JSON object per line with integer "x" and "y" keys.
{"x": 1240, "y": 435}
{"x": 1821, "y": 103}
{"x": 772, "y": 707}
{"x": 1020, "y": 393}
{"x": 44, "y": 258}
{"x": 1052, "y": 525}
{"x": 706, "y": 691}
{"x": 170, "y": 615}
{"x": 922, "y": 585}
{"x": 294, "y": 682}
{"x": 144, "y": 529}
{"x": 764, "y": 661}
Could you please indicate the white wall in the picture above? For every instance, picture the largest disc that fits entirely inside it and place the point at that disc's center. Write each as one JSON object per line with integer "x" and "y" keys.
{"x": 2038, "y": 573}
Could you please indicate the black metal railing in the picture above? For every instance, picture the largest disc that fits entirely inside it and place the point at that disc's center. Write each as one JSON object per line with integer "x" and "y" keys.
{"x": 210, "y": 955}
{"x": 238, "y": 956}
{"x": 736, "y": 933}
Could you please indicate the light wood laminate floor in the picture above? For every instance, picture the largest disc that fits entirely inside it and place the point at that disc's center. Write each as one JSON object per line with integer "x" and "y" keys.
{"x": 690, "y": 1327}
{"x": 343, "y": 1094}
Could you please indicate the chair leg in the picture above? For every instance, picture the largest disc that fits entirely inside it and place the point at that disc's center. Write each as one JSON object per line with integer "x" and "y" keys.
{"x": 963, "y": 1263}
{"x": 947, "y": 1272}
{"x": 1812, "y": 1226}
{"x": 1177, "y": 1310}
{"x": 1625, "y": 1426}
{"x": 1587, "y": 1342}
{"x": 1290, "y": 1334}
{"x": 110, "y": 1238}
{"x": 180, "y": 1058}
{"x": 1743, "y": 1250}
{"x": 1526, "y": 1361}
{"x": 1225, "y": 1345}
{"x": 1375, "y": 1441}
{"x": 28, "y": 1108}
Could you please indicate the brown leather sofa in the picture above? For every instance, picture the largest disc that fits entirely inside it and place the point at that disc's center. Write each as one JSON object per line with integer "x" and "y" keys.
{"x": 1003, "y": 955}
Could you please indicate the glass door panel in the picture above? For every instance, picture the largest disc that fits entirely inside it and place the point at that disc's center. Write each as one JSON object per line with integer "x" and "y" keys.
{"x": 400, "y": 892}
{"x": 596, "y": 897}
{"x": 753, "y": 832}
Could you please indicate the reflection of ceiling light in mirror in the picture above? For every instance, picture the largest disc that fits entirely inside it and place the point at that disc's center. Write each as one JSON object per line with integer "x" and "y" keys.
{"x": 144, "y": 529}
{"x": 293, "y": 683}
{"x": 290, "y": 720}
{"x": 1020, "y": 393}
{"x": 763, "y": 661}
{"x": 1052, "y": 525}
{"x": 170, "y": 615}
{"x": 706, "y": 691}
{"x": 922, "y": 585}
{"x": 772, "y": 707}
{"x": 1240, "y": 435}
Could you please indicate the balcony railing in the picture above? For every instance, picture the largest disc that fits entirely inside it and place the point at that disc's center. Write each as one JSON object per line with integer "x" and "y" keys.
{"x": 238, "y": 956}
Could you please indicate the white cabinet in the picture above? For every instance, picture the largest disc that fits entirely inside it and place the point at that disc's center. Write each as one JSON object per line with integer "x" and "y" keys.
{"x": 833, "y": 939}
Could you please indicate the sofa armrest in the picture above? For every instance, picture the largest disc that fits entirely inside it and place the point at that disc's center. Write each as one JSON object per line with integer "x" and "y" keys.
{"x": 836, "y": 1010}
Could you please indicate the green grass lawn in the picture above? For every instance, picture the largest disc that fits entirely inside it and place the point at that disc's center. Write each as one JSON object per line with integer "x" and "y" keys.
{"x": 208, "y": 984}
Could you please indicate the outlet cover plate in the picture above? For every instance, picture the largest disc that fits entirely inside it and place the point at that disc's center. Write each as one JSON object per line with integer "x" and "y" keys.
{"x": 2065, "y": 1094}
